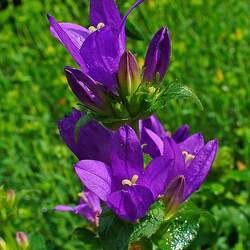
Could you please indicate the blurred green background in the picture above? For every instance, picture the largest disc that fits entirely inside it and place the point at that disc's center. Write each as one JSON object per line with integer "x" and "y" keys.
{"x": 210, "y": 54}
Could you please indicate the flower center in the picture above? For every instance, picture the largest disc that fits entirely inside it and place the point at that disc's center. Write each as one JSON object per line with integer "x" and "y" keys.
{"x": 188, "y": 157}
{"x": 98, "y": 27}
{"x": 131, "y": 182}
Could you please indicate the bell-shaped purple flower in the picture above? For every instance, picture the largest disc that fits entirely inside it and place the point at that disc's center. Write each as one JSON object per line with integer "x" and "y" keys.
{"x": 124, "y": 185}
{"x": 158, "y": 56}
{"x": 193, "y": 160}
{"x": 96, "y": 50}
{"x": 128, "y": 74}
{"x": 89, "y": 207}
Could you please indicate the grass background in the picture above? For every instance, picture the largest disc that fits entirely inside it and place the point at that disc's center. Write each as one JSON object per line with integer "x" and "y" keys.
{"x": 210, "y": 54}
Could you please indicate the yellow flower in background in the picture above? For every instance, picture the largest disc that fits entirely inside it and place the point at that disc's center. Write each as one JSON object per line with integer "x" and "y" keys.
{"x": 238, "y": 34}
{"x": 219, "y": 75}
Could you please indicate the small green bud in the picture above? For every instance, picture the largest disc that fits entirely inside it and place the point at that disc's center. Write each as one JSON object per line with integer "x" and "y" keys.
{"x": 128, "y": 74}
{"x": 3, "y": 245}
{"x": 22, "y": 240}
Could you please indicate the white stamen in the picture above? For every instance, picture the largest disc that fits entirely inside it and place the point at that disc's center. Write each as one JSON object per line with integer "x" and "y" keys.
{"x": 188, "y": 157}
{"x": 100, "y": 26}
{"x": 92, "y": 29}
{"x": 131, "y": 182}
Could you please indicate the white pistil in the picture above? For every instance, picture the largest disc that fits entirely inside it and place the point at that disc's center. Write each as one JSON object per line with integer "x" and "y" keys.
{"x": 188, "y": 157}
{"x": 131, "y": 182}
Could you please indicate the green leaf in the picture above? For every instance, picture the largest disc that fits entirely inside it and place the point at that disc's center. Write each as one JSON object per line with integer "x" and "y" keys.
{"x": 179, "y": 91}
{"x": 178, "y": 233}
{"x": 37, "y": 242}
{"x": 114, "y": 233}
{"x": 133, "y": 32}
{"x": 150, "y": 224}
{"x": 88, "y": 237}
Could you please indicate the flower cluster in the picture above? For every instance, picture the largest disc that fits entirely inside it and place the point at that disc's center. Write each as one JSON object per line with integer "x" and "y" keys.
{"x": 110, "y": 85}
{"x": 116, "y": 92}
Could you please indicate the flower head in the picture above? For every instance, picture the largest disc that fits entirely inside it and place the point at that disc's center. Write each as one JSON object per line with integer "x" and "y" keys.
{"x": 22, "y": 240}
{"x": 89, "y": 207}
{"x": 192, "y": 161}
{"x": 96, "y": 50}
{"x": 124, "y": 185}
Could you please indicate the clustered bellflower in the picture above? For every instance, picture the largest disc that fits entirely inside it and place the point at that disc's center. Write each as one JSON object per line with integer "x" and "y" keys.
{"x": 110, "y": 148}
{"x": 109, "y": 84}
{"x": 111, "y": 165}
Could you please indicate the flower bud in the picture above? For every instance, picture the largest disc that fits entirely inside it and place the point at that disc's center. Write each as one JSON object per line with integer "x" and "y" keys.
{"x": 22, "y": 240}
{"x": 181, "y": 134}
{"x": 89, "y": 92}
{"x": 158, "y": 56}
{"x": 173, "y": 196}
{"x": 128, "y": 74}
{"x": 11, "y": 197}
{"x": 3, "y": 245}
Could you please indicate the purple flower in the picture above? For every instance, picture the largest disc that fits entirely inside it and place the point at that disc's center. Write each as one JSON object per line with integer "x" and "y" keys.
{"x": 158, "y": 56}
{"x": 192, "y": 159}
{"x": 124, "y": 185}
{"x": 96, "y": 50}
{"x": 89, "y": 207}
{"x": 94, "y": 141}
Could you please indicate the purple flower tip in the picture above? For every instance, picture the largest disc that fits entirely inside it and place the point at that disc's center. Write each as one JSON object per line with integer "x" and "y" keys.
{"x": 158, "y": 56}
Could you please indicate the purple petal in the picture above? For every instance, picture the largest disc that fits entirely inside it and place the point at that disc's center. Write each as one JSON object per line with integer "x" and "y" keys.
{"x": 158, "y": 174}
{"x": 192, "y": 144}
{"x": 68, "y": 43}
{"x": 89, "y": 207}
{"x": 76, "y": 33}
{"x": 181, "y": 133}
{"x": 131, "y": 204}
{"x": 127, "y": 157}
{"x": 153, "y": 124}
{"x": 104, "y": 11}
{"x": 199, "y": 167}
{"x": 154, "y": 145}
{"x": 96, "y": 176}
{"x": 158, "y": 55}
{"x": 172, "y": 150}
{"x": 102, "y": 51}
{"x": 92, "y": 200}
{"x": 94, "y": 141}
{"x": 64, "y": 208}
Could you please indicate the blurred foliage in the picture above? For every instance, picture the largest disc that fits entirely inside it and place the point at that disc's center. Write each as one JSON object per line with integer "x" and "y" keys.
{"x": 210, "y": 55}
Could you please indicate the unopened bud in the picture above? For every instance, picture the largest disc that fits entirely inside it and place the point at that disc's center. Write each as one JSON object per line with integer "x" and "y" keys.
{"x": 11, "y": 197}
{"x": 158, "y": 56}
{"x": 22, "y": 240}
{"x": 3, "y": 245}
{"x": 173, "y": 196}
{"x": 128, "y": 74}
